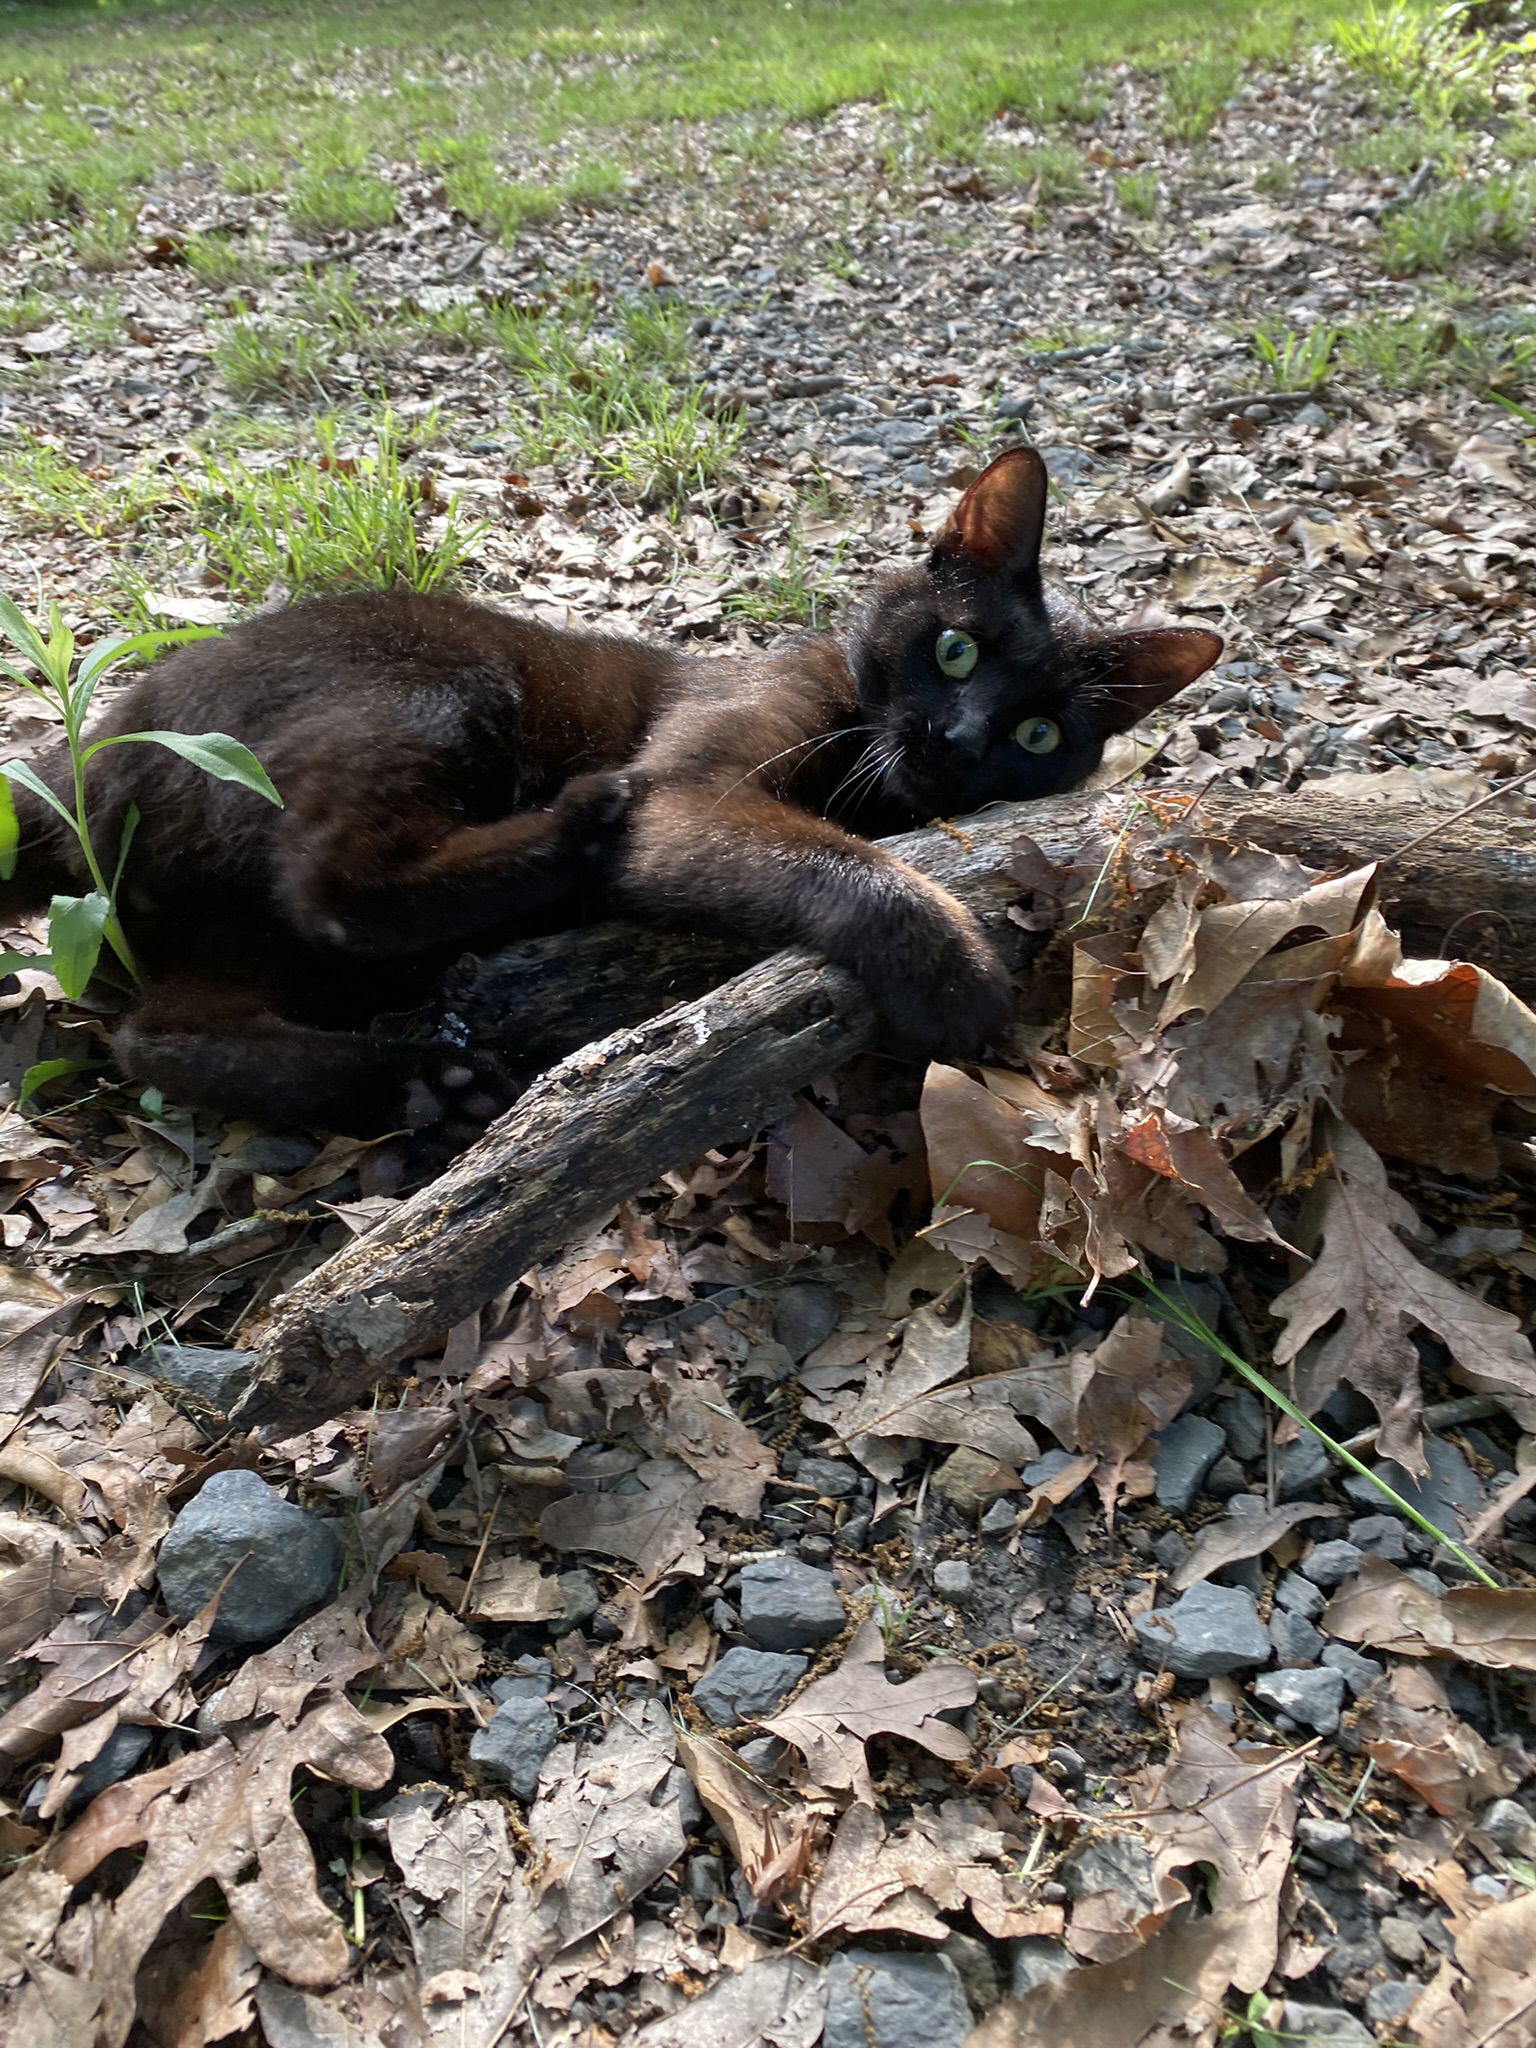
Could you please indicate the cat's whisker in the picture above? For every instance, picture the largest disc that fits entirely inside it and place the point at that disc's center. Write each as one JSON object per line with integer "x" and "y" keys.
{"x": 861, "y": 774}
{"x": 844, "y": 732}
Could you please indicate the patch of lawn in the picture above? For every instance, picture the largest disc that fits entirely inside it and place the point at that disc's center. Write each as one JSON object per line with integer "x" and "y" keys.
{"x": 1492, "y": 216}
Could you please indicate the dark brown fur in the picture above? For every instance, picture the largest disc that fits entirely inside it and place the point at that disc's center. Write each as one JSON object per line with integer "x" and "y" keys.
{"x": 452, "y": 774}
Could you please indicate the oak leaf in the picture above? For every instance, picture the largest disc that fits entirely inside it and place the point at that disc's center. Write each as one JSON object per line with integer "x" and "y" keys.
{"x": 1407, "y": 1728}
{"x": 835, "y": 1716}
{"x": 1363, "y": 1273}
{"x": 1485, "y": 1999}
{"x": 1494, "y": 1626}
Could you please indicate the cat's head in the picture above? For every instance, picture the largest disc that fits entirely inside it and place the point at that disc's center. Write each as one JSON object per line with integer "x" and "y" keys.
{"x": 984, "y": 686}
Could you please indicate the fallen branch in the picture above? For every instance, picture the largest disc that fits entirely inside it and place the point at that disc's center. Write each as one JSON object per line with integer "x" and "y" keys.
{"x": 607, "y": 1120}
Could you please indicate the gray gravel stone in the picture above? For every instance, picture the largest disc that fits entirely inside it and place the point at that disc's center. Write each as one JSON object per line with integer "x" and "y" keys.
{"x": 1301, "y": 1467}
{"x": 1387, "y": 2002}
{"x": 1120, "y": 1863}
{"x": 510, "y": 1749}
{"x": 1185, "y": 1453}
{"x": 1207, "y": 1631}
{"x": 278, "y": 1558}
{"x": 1242, "y": 1415}
{"x": 1314, "y": 1698}
{"x": 894, "y": 437}
{"x": 1035, "y": 1959}
{"x": 1331, "y": 1841}
{"x": 1000, "y": 1519}
{"x": 1511, "y": 1828}
{"x": 1299, "y": 1596}
{"x": 788, "y": 1605}
{"x": 1360, "y": 1672}
{"x": 1401, "y": 1939}
{"x": 829, "y": 1476}
{"x": 976, "y": 1966}
{"x": 965, "y": 1479}
{"x": 1296, "y": 1641}
{"x": 744, "y": 1685}
{"x": 894, "y": 2000}
{"x": 1381, "y": 1535}
{"x": 1329, "y": 1564}
{"x": 1327, "y": 2026}
{"x": 1447, "y": 1493}
{"x": 578, "y": 1589}
{"x": 804, "y": 1316}
{"x": 952, "y": 1579}
{"x": 217, "y": 1377}
{"x": 1225, "y": 1478}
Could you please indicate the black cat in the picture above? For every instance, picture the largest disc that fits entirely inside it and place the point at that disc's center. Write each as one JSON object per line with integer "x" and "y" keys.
{"x": 448, "y": 770}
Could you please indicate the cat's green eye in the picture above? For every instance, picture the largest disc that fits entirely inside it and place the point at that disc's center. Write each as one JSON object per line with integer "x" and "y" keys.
{"x": 955, "y": 652}
{"x": 1038, "y": 735}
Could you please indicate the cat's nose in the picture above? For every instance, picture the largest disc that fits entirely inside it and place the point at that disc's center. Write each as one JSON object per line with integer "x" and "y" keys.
{"x": 969, "y": 735}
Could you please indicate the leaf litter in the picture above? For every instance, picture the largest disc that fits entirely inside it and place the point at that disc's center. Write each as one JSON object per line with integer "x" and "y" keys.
{"x": 1239, "y": 1076}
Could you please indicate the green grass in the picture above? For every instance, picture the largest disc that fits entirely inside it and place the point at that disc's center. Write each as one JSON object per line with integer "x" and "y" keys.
{"x": 1296, "y": 359}
{"x": 1136, "y": 192}
{"x": 1421, "y": 54}
{"x": 1399, "y": 147}
{"x": 1197, "y": 90}
{"x": 1488, "y": 217}
{"x": 800, "y": 593}
{"x": 54, "y": 494}
{"x": 1424, "y": 351}
{"x": 223, "y": 259}
{"x": 265, "y": 358}
{"x": 338, "y": 199}
{"x": 1052, "y": 170}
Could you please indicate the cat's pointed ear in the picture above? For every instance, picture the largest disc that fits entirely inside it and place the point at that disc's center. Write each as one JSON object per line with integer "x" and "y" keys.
{"x": 998, "y": 523}
{"x": 1139, "y": 671}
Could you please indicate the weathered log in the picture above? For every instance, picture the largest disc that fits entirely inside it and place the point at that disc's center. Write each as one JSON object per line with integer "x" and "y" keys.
{"x": 623, "y": 1109}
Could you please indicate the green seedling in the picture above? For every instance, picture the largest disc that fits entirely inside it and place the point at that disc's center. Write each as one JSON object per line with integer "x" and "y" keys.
{"x": 1296, "y": 361}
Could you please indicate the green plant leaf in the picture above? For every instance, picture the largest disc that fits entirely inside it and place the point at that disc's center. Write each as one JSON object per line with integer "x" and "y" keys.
{"x": 131, "y": 818}
{"x": 10, "y": 830}
{"x": 75, "y": 926}
{"x": 18, "y": 771}
{"x": 22, "y": 634}
{"x": 12, "y": 963}
{"x": 214, "y": 752}
{"x": 52, "y": 1070}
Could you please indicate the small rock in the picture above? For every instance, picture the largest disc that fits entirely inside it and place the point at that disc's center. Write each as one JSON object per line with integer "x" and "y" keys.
{"x": 1331, "y": 1841}
{"x": 804, "y": 1316}
{"x": 1170, "y": 1549}
{"x": 1243, "y": 1415}
{"x": 706, "y": 1877}
{"x": 831, "y": 1478}
{"x": 1299, "y": 1596}
{"x": 854, "y": 1533}
{"x": 1360, "y": 1673}
{"x": 1036, "y": 1958}
{"x": 965, "y": 1479}
{"x": 1325, "y": 2026}
{"x": 1081, "y": 1609}
{"x": 952, "y": 1579}
{"x": 1510, "y": 1828}
{"x": 1017, "y": 406}
{"x": 1445, "y": 1494}
{"x": 892, "y": 1999}
{"x": 763, "y": 1754}
{"x": 1118, "y": 1863}
{"x": 976, "y": 1968}
{"x": 1401, "y": 1939}
{"x": 578, "y": 1589}
{"x": 1301, "y": 1467}
{"x": 122, "y": 1752}
{"x": 521, "y": 1685}
{"x": 1000, "y": 1519}
{"x": 1207, "y": 1631}
{"x": 1185, "y": 1453}
{"x": 789, "y": 1605}
{"x": 1225, "y": 1478}
{"x": 510, "y": 1749}
{"x": 815, "y": 1549}
{"x": 744, "y": 1685}
{"x": 217, "y": 1377}
{"x": 278, "y": 1559}
{"x": 1381, "y": 1535}
{"x": 1313, "y": 1698}
{"x": 1296, "y": 1641}
{"x": 894, "y": 437}
{"x": 1329, "y": 1564}
{"x": 1387, "y": 2002}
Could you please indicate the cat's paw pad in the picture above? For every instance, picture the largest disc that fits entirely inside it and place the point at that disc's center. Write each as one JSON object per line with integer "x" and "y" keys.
{"x": 451, "y": 1097}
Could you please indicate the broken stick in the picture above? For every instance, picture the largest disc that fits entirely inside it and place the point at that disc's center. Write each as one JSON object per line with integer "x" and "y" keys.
{"x": 611, "y": 1117}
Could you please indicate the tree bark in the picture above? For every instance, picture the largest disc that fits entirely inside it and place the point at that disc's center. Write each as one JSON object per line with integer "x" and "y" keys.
{"x": 611, "y": 1117}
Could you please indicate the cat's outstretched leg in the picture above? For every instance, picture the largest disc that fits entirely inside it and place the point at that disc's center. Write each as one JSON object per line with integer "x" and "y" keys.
{"x": 220, "y": 1046}
{"x": 404, "y": 883}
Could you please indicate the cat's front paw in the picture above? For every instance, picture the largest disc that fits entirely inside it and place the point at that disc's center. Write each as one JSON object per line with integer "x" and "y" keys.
{"x": 592, "y": 810}
{"x": 955, "y": 1004}
{"x": 452, "y": 1095}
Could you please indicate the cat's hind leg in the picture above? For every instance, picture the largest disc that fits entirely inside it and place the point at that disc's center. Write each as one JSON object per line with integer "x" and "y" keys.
{"x": 220, "y": 1046}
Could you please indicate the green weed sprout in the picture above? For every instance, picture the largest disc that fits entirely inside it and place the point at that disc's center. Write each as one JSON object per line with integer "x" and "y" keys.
{"x": 1296, "y": 361}
{"x": 79, "y": 926}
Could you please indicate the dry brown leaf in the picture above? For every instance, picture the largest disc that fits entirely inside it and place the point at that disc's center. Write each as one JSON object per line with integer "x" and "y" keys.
{"x": 138, "y": 1675}
{"x": 37, "y": 1595}
{"x": 835, "y": 1716}
{"x": 1164, "y": 1992}
{"x": 1408, "y": 1729}
{"x": 1240, "y": 1536}
{"x": 1494, "y": 1626}
{"x": 225, "y": 1813}
{"x": 656, "y": 1526}
{"x": 1363, "y": 1272}
{"x": 1487, "y": 1998}
{"x": 604, "y": 1820}
{"x": 34, "y": 1316}
{"x": 935, "y": 1862}
{"x": 770, "y": 1833}
{"x": 514, "y": 1589}
{"x": 1108, "y": 1401}
{"x": 423, "y": 1644}
{"x": 1231, "y": 939}
{"x": 477, "y": 1934}
{"x": 912, "y": 1398}
{"x": 776, "y": 2002}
